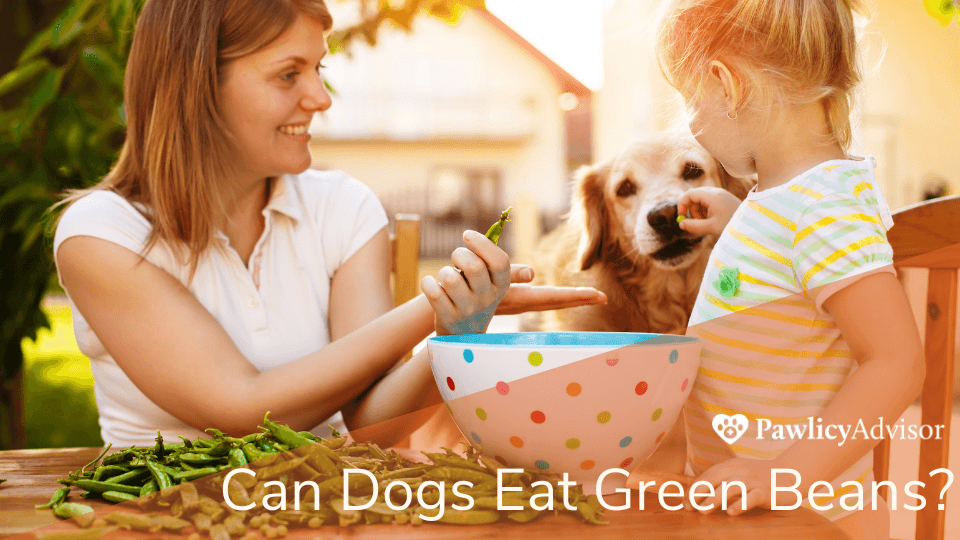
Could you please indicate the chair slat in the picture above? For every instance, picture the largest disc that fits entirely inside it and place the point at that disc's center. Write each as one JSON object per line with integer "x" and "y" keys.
{"x": 937, "y": 397}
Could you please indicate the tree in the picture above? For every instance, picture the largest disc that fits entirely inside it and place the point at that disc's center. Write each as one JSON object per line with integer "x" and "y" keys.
{"x": 62, "y": 126}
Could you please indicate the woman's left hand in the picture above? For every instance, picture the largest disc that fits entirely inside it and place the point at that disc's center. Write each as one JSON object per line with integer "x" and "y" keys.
{"x": 523, "y": 297}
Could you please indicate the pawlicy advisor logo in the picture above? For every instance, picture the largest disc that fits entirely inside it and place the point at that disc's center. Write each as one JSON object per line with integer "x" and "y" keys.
{"x": 730, "y": 428}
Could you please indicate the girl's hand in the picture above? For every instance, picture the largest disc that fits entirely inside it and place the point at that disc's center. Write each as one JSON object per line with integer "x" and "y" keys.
{"x": 710, "y": 207}
{"x": 755, "y": 475}
{"x": 465, "y": 303}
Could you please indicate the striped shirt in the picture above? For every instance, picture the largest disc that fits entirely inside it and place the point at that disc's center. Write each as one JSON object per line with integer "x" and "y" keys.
{"x": 771, "y": 352}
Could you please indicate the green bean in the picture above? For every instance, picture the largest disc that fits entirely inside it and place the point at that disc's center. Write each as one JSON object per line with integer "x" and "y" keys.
{"x": 253, "y": 453}
{"x": 57, "y": 498}
{"x": 119, "y": 457}
{"x": 101, "y": 487}
{"x": 117, "y": 496}
{"x": 159, "y": 476}
{"x": 470, "y": 517}
{"x": 105, "y": 450}
{"x": 148, "y": 488}
{"x": 68, "y": 510}
{"x": 194, "y": 474}
{"x": 106, "y": 469}
{"x": 458, "y": 474}
{"x": 132, "y": 475}
{"x": 237, "y": 458}
{"x": 523, "y": 516}
{"x": 285, "y": 435}
{"x": 2, "y": 480}
{"x": 494, "y": 232}
{"x": 589, "y": 513}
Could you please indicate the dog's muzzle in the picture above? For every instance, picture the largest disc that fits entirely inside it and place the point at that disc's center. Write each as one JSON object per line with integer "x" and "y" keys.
{"x": 676, "y": 242}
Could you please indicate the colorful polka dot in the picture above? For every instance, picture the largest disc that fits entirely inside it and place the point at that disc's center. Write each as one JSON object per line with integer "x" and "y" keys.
{"x": 684, "y": 385}
{"x": 656, "y": 414}
{"x": 674, "y": 355}
{"x": 538, "y": 417}
{"x": 573, "y": 444}
{"x": 481, "y": 414}
{"x": 603, "y": 417}
{"x": 516, "y": 441}
{"x": 535, "y": 358}
{"x": 468, "y": 356}
{"x": 626, "y": 463}
{"x": 503, "y": 388}
{"x": 625, "y": 442}
{"x": 500, "y": 460}
{"x": 660, "y": 437}
{"x": 542, "y": 465}
{"x": 450, "y": 384}
{"x": 475, "y": 437}
{"x": 641, "y": 388}
{"x": 587, "y": 465}
{"x": 573, "y": 389}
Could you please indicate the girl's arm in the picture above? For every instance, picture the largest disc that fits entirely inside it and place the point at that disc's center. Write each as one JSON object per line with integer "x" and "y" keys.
{"x": 874, "y": 317}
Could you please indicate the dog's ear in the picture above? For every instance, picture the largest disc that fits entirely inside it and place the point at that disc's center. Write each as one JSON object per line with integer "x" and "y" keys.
{"x": 588, "y": 212}
{"x": 738, "y": 186}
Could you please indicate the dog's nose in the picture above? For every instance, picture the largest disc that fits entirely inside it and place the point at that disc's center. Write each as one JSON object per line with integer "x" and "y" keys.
{"x": 663, "y": 219}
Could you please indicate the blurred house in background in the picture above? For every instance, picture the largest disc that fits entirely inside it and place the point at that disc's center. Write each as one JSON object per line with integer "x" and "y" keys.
{"x": 456, "y": 123}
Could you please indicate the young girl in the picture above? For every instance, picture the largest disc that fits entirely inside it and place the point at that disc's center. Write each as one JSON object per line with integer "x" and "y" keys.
{"x": 800, "y": 311}
{"x": 213, "y": 276}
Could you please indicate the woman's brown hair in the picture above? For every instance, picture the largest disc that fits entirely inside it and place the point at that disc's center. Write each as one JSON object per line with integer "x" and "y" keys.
{"x": 177, "y": 143}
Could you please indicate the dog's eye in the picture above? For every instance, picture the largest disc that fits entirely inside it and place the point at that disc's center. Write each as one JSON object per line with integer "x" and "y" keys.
{"x": 692, "y": 171}
{"x": 626, "y": 188}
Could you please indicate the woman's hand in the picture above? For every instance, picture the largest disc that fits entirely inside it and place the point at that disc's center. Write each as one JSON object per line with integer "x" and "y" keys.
{"x": 464, "y": 298}
{"x": 522, "y": 297}
{"x": 755, "y": 475}
{"x": 711, "y": 208}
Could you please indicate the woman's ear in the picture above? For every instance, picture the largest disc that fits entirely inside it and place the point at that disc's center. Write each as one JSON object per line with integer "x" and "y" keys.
{"x": 588, "y": 212}
{"x": 729, "y": 84}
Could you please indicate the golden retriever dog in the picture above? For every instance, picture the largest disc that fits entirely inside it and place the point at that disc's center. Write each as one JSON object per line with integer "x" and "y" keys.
{"x": 621, "y": 236}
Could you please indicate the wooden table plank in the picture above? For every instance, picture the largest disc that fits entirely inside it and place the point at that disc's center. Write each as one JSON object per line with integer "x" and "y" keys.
{"x": 33, "y": 475}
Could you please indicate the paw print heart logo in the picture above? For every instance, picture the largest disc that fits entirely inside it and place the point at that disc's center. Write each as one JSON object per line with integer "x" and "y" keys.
{"x": 730, "y": 428}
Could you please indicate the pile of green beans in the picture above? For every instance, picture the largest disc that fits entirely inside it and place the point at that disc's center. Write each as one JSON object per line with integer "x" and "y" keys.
{"x": 178, "y": 486}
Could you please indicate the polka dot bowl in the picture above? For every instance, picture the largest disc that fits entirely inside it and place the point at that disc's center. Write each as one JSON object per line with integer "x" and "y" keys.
{"x": 574, "y": 402}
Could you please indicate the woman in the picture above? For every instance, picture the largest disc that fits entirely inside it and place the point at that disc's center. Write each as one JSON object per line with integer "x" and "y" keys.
{"x": 214, "y": 277}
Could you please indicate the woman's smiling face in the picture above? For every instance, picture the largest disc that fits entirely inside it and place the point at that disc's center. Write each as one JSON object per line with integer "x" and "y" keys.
{"x": 269, "y": 97}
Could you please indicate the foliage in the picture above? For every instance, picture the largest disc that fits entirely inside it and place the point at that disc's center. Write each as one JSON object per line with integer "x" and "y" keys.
{"x": 62, "y": 125}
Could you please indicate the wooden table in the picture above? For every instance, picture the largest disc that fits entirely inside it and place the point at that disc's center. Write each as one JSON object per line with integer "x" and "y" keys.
{"x": 32, "y": 478}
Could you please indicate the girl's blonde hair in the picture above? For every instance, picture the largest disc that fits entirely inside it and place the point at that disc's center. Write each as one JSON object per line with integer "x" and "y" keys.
{"x": 177, "y": 145}
{"x": 791, "y": 52}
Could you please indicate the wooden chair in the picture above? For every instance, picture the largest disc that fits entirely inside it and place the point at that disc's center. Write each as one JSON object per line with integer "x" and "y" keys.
{"x": 405, "y": 264}
{"x": 927, "y": 235}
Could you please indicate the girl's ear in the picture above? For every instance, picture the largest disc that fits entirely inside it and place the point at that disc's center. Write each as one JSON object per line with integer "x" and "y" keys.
{"x": 732, "y": 92}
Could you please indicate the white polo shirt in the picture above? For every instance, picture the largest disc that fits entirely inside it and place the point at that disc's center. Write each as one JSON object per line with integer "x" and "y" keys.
{"x": 275, "y": 308}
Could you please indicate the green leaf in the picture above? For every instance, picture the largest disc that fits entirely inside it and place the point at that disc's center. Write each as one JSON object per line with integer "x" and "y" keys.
{"x": 70, "y": 24}
{"x": 102, "y": 65}
{"x": 22, "y": 75}
{"x": 24, "y": 193}
{"x": 45, "y": 92}
{"x": 37, "y": 45}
